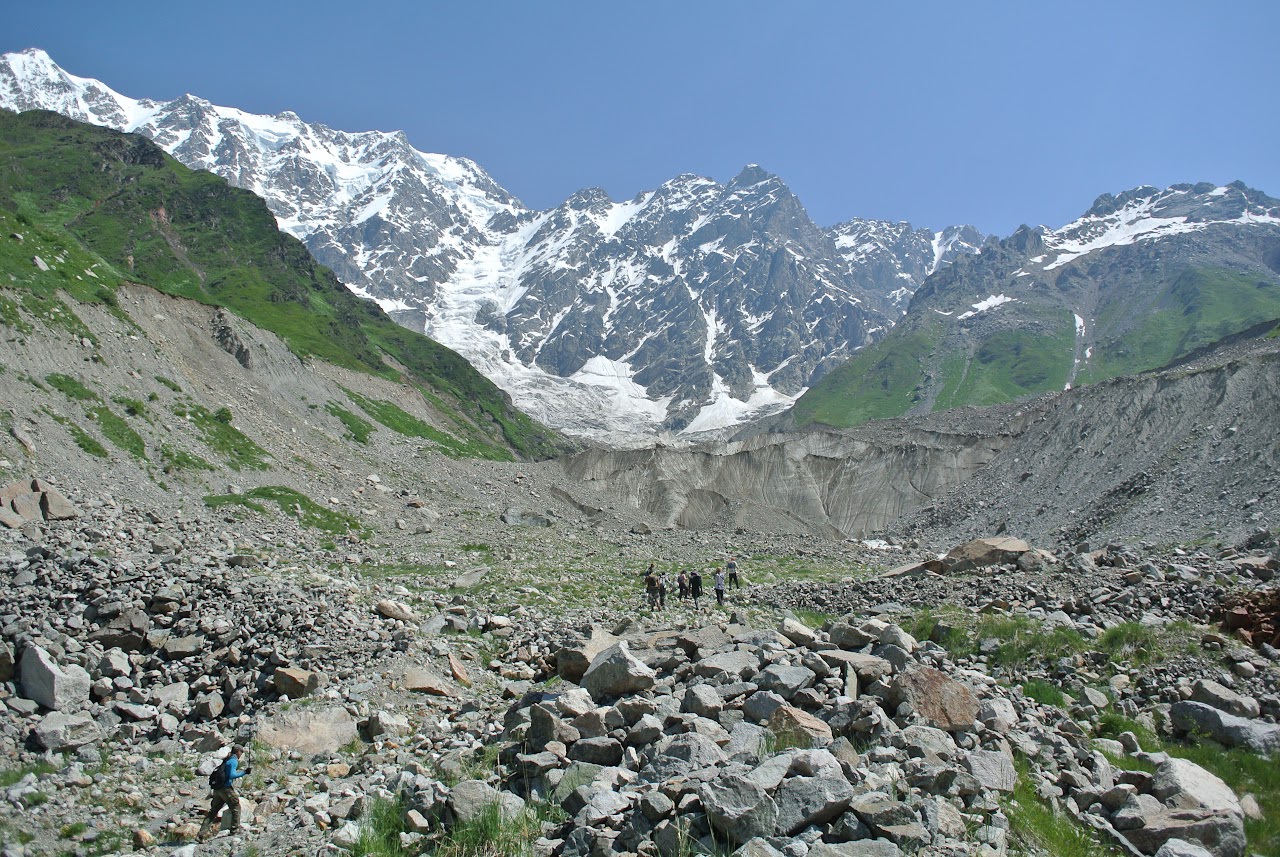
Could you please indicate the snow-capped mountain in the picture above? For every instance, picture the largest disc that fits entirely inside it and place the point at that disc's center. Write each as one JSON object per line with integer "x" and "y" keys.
{"x": 889, "y": 260}
{"x": 693, "y": 306}
{"x": 1140, "y": 280}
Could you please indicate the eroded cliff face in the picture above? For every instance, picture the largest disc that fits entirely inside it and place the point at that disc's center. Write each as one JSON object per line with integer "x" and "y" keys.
{"x": 1186, "y": 453}
{"x": 1176, "y": 456}
{"x": 831, "y": 483}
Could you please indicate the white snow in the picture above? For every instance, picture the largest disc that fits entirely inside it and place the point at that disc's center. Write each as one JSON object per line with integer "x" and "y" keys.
{"x": 987, "y": 303}
{"x": 1137, "y": 221}
{"x": 1079, "y": 324}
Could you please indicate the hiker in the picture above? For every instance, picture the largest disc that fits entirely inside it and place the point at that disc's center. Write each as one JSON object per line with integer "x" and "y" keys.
{"x": 662, "y": 591}
{"x": 719, "y": 586}
{"x": 732, "y": 568}
{"x": 682, "y": 584}
{"x": 651, "y": 587}
{"x": 223, "y": 783}
{"x": 695, "y": 587}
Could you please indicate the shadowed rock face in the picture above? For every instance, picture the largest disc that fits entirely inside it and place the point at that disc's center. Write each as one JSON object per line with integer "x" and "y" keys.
{"x": 831, "y": 483}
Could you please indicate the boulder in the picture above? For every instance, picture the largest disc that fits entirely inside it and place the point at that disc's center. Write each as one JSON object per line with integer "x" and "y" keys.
{"x": 573, "y": 661}
{"x": 860, "y": 848}
{"x": 127, "y": 631}
{"x": 680, "y": 755}
{"x": 1182, "y": 848}
{"x": 797, "y": 632}
{"x": 783, "y": 680}
{"x": 803, "y": 801}
{"x": 7, "y": 661}
{"x": 1260, "y": 737}
{"x": 1184, "y": 784}
{"x": 615, "y": 672}
{"x": 423, "y": 680}
{"x": 1224, "y": 698}
{"x": 942, "y": 701}
{"x": 739, "y": 808}
{"x": 395, "y": 610}
{"x": 799, "y": 728}
{"x": 52, "y": 686}
{"x": 60, "y": 732}
{"x": 309, "y": 730}
{"x": 295, "y": 683}
{"x": 867, "y": 667}
{"x": 992, "y": 769}
{"x": 733, "y": 664}
{"x": 1221, "y": 833}
{"x": 981, "y": 553}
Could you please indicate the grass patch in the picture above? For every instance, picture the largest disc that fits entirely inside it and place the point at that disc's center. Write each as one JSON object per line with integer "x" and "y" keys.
{"x": 216, "y": 430}
{"x": 1131, "y": 642}
{"x": 491, "y": 835}
{"x": 70, "y": 387}
{"x": 173, "y": 460}
{"x": 380, "y": 830}
{"x": 165, "y": 382}
{"x": 1044, "y": 693}
{"x": 11, "y": 776}
{"x": 87, "y": 442}
{"x": 1037, "y": 829}
{"x": 116, "y": 430}
{"x": 308, "y": 512}
{"x": 132, "y": 407}
{"x": 811, "y": 618}
{"x": 404, "y": 423}
{"x": 357, "y": 429}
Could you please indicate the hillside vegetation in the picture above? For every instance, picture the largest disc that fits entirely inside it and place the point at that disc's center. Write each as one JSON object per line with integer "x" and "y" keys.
{"x": 100, "y": 208}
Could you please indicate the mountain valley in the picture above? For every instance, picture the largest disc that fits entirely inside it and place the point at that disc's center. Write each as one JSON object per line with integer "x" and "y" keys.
{"x": 1008, "y": 570}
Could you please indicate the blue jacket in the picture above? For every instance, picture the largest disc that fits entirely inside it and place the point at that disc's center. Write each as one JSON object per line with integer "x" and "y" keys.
{"x": 233, "y": 770}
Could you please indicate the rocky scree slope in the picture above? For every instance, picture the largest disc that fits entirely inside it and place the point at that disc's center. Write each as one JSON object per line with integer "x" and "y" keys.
{"x": 692, "y": 306}
{"x": 1183, "y": 454}
{"x": 1140, "y": 280}
{"x": 649, "y": 732}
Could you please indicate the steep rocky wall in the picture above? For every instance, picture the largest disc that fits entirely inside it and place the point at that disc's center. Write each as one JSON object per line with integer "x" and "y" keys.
{"x": 1187, "y": 454}
{"x": 829, "y": 483}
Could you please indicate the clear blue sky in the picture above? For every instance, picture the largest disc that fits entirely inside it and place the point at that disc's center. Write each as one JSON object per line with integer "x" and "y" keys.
{"x": 990, "y": 113}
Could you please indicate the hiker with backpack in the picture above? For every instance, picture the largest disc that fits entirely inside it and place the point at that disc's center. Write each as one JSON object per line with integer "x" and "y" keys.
{"x": 732, "y": 568}
{"x": 222, "y": 782}
{"x": 695, "y": 587}
{"x": 651, "y": 588}
{"x": 719, "y": 584}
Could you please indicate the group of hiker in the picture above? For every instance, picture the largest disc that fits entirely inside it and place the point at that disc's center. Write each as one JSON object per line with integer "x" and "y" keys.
{"x": 689, "y": 585}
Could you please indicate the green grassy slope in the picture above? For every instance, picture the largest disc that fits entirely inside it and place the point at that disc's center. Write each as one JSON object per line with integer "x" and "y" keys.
{"x": 928, "y": 362}
{"x": 93, "y": 200}
{"x": 1202, "y": 306}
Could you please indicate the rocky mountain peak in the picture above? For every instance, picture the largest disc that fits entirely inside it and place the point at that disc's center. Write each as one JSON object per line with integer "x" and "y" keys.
{"x": 692, "y": 306}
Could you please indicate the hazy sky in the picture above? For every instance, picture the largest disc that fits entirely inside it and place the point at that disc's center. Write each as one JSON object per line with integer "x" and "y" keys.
{"x": 990, "y": 113}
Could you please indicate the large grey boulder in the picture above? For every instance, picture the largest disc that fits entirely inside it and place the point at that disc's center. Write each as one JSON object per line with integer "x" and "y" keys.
{"x": 992, "y": 769}
{"x": 733, "y": 664}
{"x": 573, "y": 661}
{"x": 60, "y": 732}
{"x": 469, "y": 798}
{"x": 941, "y": 700}
{"x": 126, "y": 631}
{"x": 52, "y": 686}
{"x": 803, "y": 801}
{"x": 739, "y": 808}
{"x": 783, "y": 680}
{"x": 1182, "y": 848}
{"x": 312, "y": 730}
{"x": 615, "y": 672}
{"x": 860, "y": 848}
{"x": 1221, "y": 833}
{"x": 1184, "y": 784}
{"x": 1224, "y": 698}
{"x": 680, "y": 755}
{"x": 1258, "y": 736}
